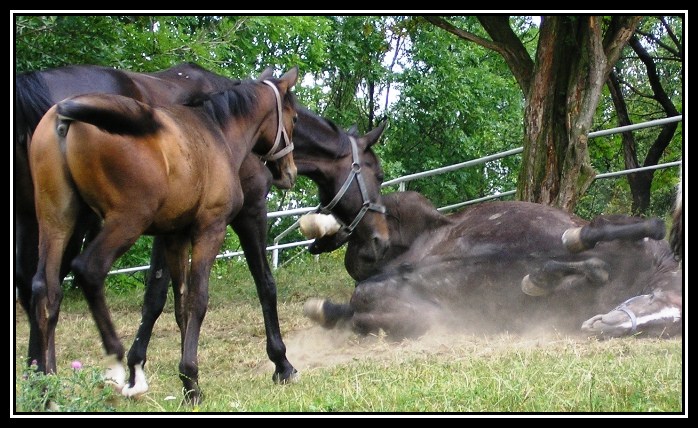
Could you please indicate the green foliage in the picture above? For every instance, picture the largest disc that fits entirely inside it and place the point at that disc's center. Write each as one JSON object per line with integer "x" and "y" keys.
{"x": 80, "y": 390}
{"x": 458, "y": 102}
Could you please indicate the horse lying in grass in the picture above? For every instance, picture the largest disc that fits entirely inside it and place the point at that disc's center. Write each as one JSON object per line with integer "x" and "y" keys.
{"x": 505, "y": 267}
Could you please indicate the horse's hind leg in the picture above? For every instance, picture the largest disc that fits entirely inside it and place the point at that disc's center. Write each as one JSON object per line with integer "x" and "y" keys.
{"x": 586, "y": 237}
{"x": 90, "y": 269}
{"x": 205, "y": 245}
{"x": 154, "y": 301}
{"x": 57, "y": 206}
{"x": 27, "y": 238}
{"x": 571, "y": 274}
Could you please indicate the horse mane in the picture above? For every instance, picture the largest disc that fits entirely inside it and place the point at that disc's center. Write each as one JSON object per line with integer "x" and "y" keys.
{"x": 238, "y": 100}
{"x": 31, "y": 102}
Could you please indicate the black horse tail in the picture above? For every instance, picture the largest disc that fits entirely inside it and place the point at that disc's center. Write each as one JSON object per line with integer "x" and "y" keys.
{"x": 676, "y": 231}
{"x": 114, "y": 114}
{"x": 32, "y": 101}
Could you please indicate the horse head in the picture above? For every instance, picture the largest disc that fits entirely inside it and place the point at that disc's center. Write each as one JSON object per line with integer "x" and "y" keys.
{"x": 283, "y": 168}
{"x": 349, "y": 177}
{"x": 656, "y": 314}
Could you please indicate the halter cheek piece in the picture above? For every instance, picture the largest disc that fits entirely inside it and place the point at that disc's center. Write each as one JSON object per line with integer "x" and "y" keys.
{"x": 624, "y": 308}
{"x": 288, "y": 143}
{"x": 367, "y": 204}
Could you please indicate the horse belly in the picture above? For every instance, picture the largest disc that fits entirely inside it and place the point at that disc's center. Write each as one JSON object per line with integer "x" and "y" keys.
{"x": 203, "y": 192}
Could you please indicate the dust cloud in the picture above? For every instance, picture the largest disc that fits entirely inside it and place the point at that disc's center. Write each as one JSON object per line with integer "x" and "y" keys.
{"x": 317, "y": 346}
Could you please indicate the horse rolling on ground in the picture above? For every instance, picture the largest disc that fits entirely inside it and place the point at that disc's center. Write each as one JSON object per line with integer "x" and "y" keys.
{"x": 171, "y": 171}
{"x": 503, "y": 266}
{"x": 322, "y": 151}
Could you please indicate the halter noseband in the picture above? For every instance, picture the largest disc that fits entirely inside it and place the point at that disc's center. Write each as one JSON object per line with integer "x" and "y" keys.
{"x": 271, "y": 156}
{"x": 624, "y": 308}
{"x": 367, "y": 204}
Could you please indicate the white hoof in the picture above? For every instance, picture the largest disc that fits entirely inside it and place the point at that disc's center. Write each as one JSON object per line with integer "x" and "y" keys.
{"x": 313, "y": 310}
{"x": 528, "y": 287}
{"x": 115, "y": 374}
{"x": 140, "y": 386}
{"x": 572, "y": 240}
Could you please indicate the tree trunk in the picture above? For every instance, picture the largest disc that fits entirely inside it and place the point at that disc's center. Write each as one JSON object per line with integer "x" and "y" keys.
{"x": 572, "y": 64}
{"x": 562, "y": 88}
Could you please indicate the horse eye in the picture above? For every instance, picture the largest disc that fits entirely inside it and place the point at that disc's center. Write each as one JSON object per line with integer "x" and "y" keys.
{"x": 295, "y": 119}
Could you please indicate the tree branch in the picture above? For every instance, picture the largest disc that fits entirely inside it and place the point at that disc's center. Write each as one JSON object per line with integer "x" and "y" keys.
{"x": 442, "y": 23}
{"x": 504, "y": 41}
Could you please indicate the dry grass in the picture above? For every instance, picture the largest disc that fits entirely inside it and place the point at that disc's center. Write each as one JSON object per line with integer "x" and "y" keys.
{"x": 341, "y": 372}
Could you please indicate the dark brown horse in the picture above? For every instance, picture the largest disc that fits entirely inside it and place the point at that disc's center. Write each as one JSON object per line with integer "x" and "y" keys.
{"x": 337, "y": 163}
{"x": 503, "y": 266}
{"x": 170, "y": 171}
{"x": 322, "y": 151}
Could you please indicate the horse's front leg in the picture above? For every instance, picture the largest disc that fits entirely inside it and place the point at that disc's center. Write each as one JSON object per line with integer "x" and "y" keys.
{"x": 154, "y": 300}
{"x": 205, "y": 246}
{"x": 250, "y": 226}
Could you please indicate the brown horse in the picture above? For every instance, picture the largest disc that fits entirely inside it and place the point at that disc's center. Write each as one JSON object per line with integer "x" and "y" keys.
{"x": 322, "y": 151}
{"x": 35, "y": 93}
{"x": 170, "y": 171}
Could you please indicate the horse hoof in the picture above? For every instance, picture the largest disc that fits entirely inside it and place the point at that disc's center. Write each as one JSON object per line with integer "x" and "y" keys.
{"x": 313, "y": 310}
{"x": 139, "y": 387}
{"x": 115, "y": 374}
{"x": 572, "y": 240}
{"x": 294, "y": 377}
{"x": 528, "y": 287}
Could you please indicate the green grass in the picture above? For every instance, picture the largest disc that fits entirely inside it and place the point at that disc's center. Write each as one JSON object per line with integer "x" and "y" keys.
{"x": 342, "y": 372}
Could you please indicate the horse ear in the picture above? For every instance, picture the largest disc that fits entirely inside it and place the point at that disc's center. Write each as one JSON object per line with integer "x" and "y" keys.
{"x": 268, "y": 73}
{"x": 289, "y": 79}
{"x": 373, "y": 135}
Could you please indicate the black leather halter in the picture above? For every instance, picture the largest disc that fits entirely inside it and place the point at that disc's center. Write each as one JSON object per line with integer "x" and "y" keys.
{"x": 367, "y": 204}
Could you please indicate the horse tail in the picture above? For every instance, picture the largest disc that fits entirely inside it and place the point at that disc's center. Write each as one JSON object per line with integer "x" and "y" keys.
{"x": 114, "y": 114}
{"x": 32, "y": 101}
{"x": 676, "y": 231}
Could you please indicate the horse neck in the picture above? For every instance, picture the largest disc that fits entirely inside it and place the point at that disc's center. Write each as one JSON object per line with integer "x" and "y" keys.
{"x": 243, "y": 133}
{"x": 317, "y": 144}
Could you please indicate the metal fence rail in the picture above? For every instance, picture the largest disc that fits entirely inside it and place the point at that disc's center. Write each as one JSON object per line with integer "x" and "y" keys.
{"x": 401, "y": 180}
